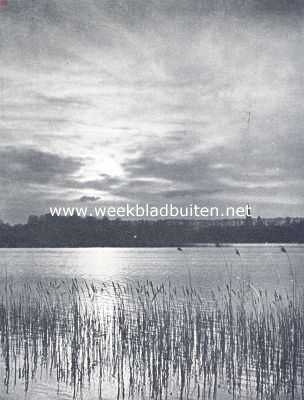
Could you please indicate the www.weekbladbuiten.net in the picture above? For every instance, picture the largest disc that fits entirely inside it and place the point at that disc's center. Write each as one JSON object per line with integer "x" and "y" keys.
{"x": 167, "y": 210}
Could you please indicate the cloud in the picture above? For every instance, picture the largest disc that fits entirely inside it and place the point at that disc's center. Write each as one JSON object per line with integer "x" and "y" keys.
{"x": 84, "y": 199}
{"x": 103, "y": 184}
{"x": 28, "y": 165}
{"x": 193, "y": 194}
{"x": 180, "y": 170}
{"x": 62, "y": 101}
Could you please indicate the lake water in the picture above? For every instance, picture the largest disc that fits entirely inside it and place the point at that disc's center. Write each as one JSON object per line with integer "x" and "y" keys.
{"x": 206, "y": 268}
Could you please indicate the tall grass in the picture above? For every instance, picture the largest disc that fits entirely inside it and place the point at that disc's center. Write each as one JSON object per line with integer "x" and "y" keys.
{"x": 153, "y": 341}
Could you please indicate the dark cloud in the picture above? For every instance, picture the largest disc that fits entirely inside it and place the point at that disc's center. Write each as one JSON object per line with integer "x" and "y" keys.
{"x": 34, "y": 119}
{"x": 109, "y": 181}
{"x": 85, "y": 199}
{"x": 132, "y": 10}
{"x": 193, "y": 194}
{"x": 105, "y": 184}
{"x": 29, "y": 165}
{"x": 62, "y": 101}
{"x": 194, "y": 169}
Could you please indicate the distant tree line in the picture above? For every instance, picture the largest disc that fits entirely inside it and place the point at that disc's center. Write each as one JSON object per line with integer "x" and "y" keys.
{"x": 54, "y": 231}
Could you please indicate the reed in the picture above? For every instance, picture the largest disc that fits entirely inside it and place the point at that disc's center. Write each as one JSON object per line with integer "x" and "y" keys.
{"x": 156, "y": 341}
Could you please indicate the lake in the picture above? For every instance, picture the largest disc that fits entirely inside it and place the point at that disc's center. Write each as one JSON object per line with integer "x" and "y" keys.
{"x": 204, "y": 268}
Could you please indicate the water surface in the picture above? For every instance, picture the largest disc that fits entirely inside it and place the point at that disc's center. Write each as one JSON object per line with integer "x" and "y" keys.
{"x": 206, "y": 268}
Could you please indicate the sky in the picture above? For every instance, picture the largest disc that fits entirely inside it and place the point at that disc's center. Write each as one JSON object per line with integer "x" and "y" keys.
{"x": 136, "y": 101}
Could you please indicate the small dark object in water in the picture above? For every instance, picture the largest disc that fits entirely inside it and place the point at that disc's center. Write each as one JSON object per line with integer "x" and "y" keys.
{"x": 217, "y": 244}
{"x": 179, "y": 249}
{"x": 237, "y": 252}
{"x": 283, "y": 250}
